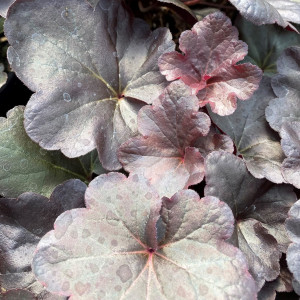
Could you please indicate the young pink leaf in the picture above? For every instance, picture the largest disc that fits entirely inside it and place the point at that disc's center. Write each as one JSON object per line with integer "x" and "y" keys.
{"x": 293, "y": 253}
{"x": 4, "y": 6}
{"x": 90, "y": 77}
{"x": 290, "y": 144}
{"x": 254, "y": 139}
{"x": 111, "y": 250}
{"x": 261, "y": 12}
{"x": 23, "y": 222}
{"x": 259, "y": 208}
{"x": 208, "y": 64}
{"x": 165, "y": 154}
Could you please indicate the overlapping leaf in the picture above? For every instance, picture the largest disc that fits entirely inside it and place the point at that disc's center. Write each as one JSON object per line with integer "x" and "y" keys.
{"x": 92, "y": 69}
{"x": 164, "y": 153}
{"x": 23, "y": 222}
{"x": 290, "y": 143}
{"x": 4, "y": 6}
{"x": 24, "y": 166}
{"x": 285, "y": 108}
{"x": 259, "y": 208}
{"x": 18, "y": 295}
{"x": 266, "y": 43}
{"x": 254, "y": 139}
{"x": 211, "y": 51}
{"x": 293, "y": 253}
{"x": 261, "y": 12}
{"x": 123, "y": 257}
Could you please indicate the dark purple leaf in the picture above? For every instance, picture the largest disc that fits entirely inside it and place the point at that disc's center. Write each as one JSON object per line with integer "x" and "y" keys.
{"x": 90, "y": 77}
{"x": 165, "y": 154}
{"x": 260, "y": 210}
{"x": 261, "y": 12}
{"x": 290, "y": 144}
{"x": 110, "y": 250}
{"x": 23, "y": 222}
{"x": 4, "y": 6}
{"x": 285, "y": 108}
{"x": 208, "y": 64}
{"x": 254, "y": 139}
{"x": 24, "y": 166}
{"x": 293, "y": 253}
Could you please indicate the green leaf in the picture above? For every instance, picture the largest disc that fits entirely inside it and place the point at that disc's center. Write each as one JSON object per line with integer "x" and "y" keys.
{"x": 266, "y": 43}
{"x": 25, "y": 167}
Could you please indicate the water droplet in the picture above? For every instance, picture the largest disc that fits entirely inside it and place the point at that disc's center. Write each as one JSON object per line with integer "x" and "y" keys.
{"x": 94, "y": 268}
{"x": 67, "y": 97}
{"x": 79, "y": 84}
{"x": 118, "y": 288}
{"x": 124, "y": 273}
{"x": 65, "y": 286}
{"x": 6, "y": 167}
{"x": 111, "y": 218}
{"x": 114, "y": 243}
{"x": 148, "y": 196}
{"x": 38, "y": 39}
{"x": 85, "y": 233}
{"x": 81, "y": 288}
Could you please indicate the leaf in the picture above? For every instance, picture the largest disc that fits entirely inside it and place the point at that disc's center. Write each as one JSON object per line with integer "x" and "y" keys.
{"x": 4, "y": 6}
{"x": 90, "y": 78}
{"x": 17, "y": 295}
{"x": 285, "y": 108}
{"x": 23, "y": 222}
{"x": 293, "y": 253}
{"x": 121, "y": 258}
{"x": 266, "y": 43}
{"x": 208, "y": 64}
{"x": 183, "y": 10}
{"x": 27, "y": 167}
{"x": 213, "y": 141}
{"x": 256, "y": 206}
{"x": 291, "y": 146}
{"x": 3, "y": 75}
{"x": 164, "y": 154}
{"x": 262, "y": 12}
{"x": 254, "y": 139}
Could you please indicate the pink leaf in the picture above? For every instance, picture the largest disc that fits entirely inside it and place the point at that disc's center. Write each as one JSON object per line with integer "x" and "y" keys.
{"x": 208, "y": 64}
{"x": 165, "y": 154}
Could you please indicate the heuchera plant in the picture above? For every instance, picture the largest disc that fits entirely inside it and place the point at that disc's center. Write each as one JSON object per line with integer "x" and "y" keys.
{"x": 203, "y": 140}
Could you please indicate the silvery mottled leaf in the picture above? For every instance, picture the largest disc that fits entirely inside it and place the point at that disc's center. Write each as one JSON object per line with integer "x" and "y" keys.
{"x": 265, "y": 43}
{"x": 24, "y": 166}
{"x": 120, "y": 258}
{"x": 285, "y": 108}
{"x": 296, "y": 286}
{"x": 92, "y": 69}
{"x": 164, "y": 154}
{"x": 23, "y": 222}
{"x": 3, "y": 75}
{"x": 256, "y": 205}
{"x": 208, "y": 64}
{"x": 254, "y": 139}
{"x": 4, "y": 6}
{"x": 293, "y": 253}
{"x": 290, "y": 143}
{"x": 262, "y": 12}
